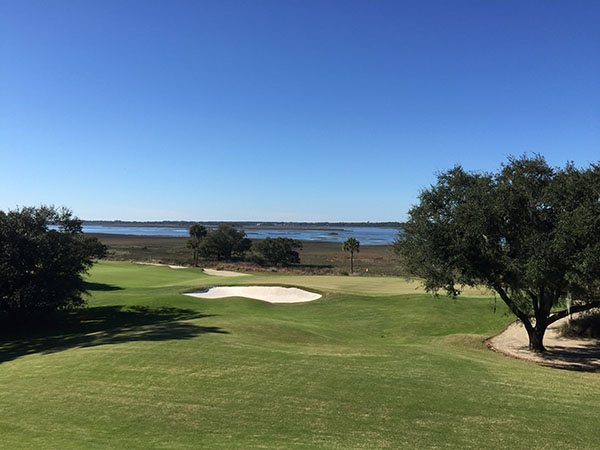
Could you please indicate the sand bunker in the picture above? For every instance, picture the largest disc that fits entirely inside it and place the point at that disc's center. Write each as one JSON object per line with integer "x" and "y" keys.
{"x": 561, "y": 352}
{"x": 271, "y": 294}
{"x": 223, "y": 273}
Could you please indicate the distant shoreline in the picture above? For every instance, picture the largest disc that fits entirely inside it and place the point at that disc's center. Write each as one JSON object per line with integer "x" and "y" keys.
{"x": 330, "y": 226}
{"x": 374, "y": 235}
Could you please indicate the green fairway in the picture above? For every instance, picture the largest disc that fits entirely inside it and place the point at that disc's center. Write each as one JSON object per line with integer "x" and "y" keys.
{"x": 373, "y": 364}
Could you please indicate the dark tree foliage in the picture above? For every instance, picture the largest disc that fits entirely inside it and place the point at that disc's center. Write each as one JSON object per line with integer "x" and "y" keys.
{"x": 41, "y": 269}
{"x": 197, "y": 234}
{"x": 279, "y": 251}
{"x": 529, "y": 232}
{"x": 351, "y": 245}
{"x": 224, "y": 244}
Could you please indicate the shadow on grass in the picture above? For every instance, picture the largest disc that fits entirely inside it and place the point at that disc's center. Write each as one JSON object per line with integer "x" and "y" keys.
{"x": 89, "y": 327}
{"x": 101, "y": 287}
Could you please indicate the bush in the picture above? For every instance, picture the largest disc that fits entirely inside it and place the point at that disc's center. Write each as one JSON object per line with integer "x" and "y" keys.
{"x": 278, "y": 251}
{"x": 586, "y": 325}
{"x": 224, "y": 244}
{"x": 42, "y": 267}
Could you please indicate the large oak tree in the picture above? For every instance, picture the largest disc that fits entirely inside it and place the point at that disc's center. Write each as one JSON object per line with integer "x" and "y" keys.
{"x": 529, "y": 232}
{"x": 43, "y": 256}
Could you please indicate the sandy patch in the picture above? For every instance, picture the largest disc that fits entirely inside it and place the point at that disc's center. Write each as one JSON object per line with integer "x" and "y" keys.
{"x": 163, "y": 265}
{"x": 565, "y": 353}
{"x": 214, "y": 272}
{"x": 271, "y": 294}
{"x": 224, "y": 273}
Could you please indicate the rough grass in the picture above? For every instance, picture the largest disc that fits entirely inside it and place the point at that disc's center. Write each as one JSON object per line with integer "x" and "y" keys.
{"x": 363, "y": 368}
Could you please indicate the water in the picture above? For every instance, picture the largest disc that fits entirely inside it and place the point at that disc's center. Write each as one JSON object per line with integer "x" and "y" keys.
{"x": 366, "y": 235}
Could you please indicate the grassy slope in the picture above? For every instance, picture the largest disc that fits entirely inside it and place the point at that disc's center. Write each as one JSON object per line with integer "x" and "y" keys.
{"x": 348, "y": 371}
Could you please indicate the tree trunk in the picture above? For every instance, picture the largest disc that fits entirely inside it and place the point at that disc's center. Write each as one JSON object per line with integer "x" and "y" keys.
{"x": 535, "y": 333}
{"x": 351, "y": 262}
{"x": 536, "y": 338}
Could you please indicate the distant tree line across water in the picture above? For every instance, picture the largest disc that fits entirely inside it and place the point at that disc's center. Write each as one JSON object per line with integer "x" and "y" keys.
{"x": 243, "y": 224}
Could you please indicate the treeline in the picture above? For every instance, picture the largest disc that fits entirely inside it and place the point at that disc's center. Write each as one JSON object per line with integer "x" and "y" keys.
{"x": 242, "y": 224}
{"x": 226, "y": 243}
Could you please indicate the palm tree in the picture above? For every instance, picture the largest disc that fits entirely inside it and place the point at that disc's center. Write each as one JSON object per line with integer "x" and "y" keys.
{"x": 351, "y": 245}
{"x": 197, "y": 233}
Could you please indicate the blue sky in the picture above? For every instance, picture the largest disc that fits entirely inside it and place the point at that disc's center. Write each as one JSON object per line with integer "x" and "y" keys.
{"x": 284, "y": 110}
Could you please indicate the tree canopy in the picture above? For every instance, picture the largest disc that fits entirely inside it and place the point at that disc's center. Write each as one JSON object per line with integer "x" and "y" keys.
{"x": 224, "y": 243}
{"x": 43, "y": 256}
{"x": 279, "y": 251}
{"x": 529, "y": 232}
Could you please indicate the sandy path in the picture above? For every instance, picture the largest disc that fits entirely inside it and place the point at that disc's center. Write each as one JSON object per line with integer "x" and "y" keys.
{"x": 565, "y": 353}
{"x": 271, "y": 294}
{"x": 163, "y": 265}
{"x": 214, "y": 272}
{"x": 224, "y": 273}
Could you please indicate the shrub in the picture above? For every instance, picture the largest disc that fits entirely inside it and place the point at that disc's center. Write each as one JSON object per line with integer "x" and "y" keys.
{"x": 224, "y": 244}
{"x": 278, "y": 251}
{"x": 586, "y": 325}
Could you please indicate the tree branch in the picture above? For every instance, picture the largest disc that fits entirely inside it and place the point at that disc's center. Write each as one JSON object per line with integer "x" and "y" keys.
{"x": 511, "y": 305}
{"x": 534, "y": 300}
{"x": 574, "y": 309}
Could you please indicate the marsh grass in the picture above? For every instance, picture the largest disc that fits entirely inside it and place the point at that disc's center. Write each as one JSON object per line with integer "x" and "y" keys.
{"x": 315, "y": 257}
